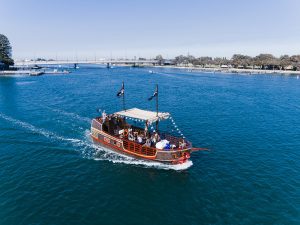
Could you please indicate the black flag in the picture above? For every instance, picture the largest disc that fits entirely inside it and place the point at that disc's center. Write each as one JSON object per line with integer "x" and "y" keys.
{"x": 154, "y": 94}
{"x": 121, "y": 92}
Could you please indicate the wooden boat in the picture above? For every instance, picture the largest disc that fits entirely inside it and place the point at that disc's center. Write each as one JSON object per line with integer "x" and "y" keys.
{"x": 115, "y": 132}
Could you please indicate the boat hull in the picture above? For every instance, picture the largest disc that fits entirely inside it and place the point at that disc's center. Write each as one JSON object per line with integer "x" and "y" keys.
{"x": 132, "y": 149}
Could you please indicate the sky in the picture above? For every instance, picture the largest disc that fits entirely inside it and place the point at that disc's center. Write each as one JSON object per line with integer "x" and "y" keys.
{"x": 89, "y": 29}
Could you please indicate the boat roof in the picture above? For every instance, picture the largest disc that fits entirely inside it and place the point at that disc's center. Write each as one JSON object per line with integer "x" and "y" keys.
{"x": 145, "y": 115}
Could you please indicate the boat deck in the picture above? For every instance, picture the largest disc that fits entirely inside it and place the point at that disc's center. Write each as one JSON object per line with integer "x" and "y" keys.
{"x": 173, "y": 140}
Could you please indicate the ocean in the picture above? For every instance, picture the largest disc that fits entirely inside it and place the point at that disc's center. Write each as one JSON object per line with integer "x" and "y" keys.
{"x": 51, "y": 172}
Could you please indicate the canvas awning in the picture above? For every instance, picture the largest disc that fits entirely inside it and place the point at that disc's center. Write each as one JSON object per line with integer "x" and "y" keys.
{"x": 143, "y": 115}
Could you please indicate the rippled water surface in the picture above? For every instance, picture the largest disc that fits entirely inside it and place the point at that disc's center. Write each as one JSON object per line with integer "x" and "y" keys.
{"x": 51, "y": 173}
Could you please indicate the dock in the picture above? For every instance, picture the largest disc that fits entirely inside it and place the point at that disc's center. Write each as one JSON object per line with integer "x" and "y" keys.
{"x": 33, "y": 72}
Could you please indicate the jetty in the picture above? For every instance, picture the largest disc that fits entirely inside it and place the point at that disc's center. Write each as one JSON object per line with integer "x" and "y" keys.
{"x": 33, "y": 72}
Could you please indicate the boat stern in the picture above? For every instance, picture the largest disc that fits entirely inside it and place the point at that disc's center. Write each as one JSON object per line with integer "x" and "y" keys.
{"x": 173, "y": 156}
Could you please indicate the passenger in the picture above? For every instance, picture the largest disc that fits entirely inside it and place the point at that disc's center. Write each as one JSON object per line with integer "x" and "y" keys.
{"x": 147, "y": 143}
{"x": 104, "y": 115}
{"x": 146, "y": 128}
{"x": 124, "y": 133}
{"x": 157, "y": 137}
{"x": 116, "y": 130}
{"x": 139, "y": 139}
{"x": 130, "y": 135}
{"x": 182, "y": 144}
{"x": 153, "y": 138}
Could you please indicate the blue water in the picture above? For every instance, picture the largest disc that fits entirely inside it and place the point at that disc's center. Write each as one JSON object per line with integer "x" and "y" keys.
{"x": 51, "y": 173}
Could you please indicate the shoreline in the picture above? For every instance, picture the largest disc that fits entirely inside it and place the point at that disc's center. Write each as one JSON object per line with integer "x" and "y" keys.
{"x": 189, "y": 68}
{"x": 233, "y": 70}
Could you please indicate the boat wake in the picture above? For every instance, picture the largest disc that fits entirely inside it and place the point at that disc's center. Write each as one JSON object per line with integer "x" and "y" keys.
{"x": 145, "y": 164}
{"x": 25, "y": 82}
{"x": 91, "y": 151}
{"x": 31, "y": 128}
{"x": 71, "y": 114}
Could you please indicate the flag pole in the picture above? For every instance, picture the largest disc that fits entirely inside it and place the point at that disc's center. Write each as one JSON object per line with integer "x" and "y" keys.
{"x": 123, "y": 96}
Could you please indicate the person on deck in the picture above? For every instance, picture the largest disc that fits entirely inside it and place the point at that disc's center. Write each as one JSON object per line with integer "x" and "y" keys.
{"x": 146, "y": 128}
{"x": 147, "y": 143}
{"x": 104, "y": 115}
{"x": 139, "y": 139}
{"x": 130, "y": 135}
{"x": 157, "y": 137}
{"x": 182, "y": 144}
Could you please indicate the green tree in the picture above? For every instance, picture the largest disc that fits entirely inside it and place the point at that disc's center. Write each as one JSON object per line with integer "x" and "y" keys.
{"x": 284, "y": 61}
{"x": 160, "y": 59}
{"x": 205, "y": 60}
{"x": 190, "y": 59}
{"x": 241, "y": 60}
{"x": 218, "y": 61}
{"x": 295, "y": 61}
{"x": 179, "y": 59}
{"x": 266, "y": 61}
{"x": 5, "y": 51}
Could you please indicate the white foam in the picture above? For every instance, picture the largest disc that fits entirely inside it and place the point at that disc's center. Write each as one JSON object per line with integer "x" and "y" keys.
{"x": 96, "y": 152}
{"x": 37, "y": 130}
{"x": 114, "y": 157}
{"x": 25, "y": 82}
{"x": 71, "y": 114}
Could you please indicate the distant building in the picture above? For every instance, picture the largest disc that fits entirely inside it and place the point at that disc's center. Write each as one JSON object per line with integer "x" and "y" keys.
{"x": 290, "y": 67}
{"x": 168, "y": 62}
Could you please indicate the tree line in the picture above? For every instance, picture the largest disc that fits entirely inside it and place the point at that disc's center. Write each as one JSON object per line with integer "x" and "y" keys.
{"x": 5, "y": 52}
{"x": 261, "y": 61}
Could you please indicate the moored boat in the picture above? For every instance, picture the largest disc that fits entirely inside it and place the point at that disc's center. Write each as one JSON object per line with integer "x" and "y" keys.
{"x": 36, "y": 73}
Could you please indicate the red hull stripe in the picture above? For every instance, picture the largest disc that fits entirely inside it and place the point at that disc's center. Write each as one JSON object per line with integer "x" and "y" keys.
{"x": 124, "y": 150}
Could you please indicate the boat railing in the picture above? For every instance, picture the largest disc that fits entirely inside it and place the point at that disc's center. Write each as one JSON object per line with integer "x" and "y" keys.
{"x": 138, "y": 148}
{"x": 97, "y": 123}
{"x": 175, "y": 140}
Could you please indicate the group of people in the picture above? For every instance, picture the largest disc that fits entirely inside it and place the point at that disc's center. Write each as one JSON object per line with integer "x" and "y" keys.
{"x": 140, "y": 137}
{"x": 119, "y": 128}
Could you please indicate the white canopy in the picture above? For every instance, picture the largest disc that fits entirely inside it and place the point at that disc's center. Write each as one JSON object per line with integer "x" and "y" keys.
{"x": 143, "y": 115}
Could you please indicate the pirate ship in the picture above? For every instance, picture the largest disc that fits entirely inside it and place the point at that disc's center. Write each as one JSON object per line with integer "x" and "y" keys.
{"x": 116, "y": 132}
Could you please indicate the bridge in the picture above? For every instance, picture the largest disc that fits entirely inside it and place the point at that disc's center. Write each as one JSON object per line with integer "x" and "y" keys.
{"x": 76, "y": 62}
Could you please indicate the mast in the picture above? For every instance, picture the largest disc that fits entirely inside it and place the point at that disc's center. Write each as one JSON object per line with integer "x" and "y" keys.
{"x": 157, "y": 107}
